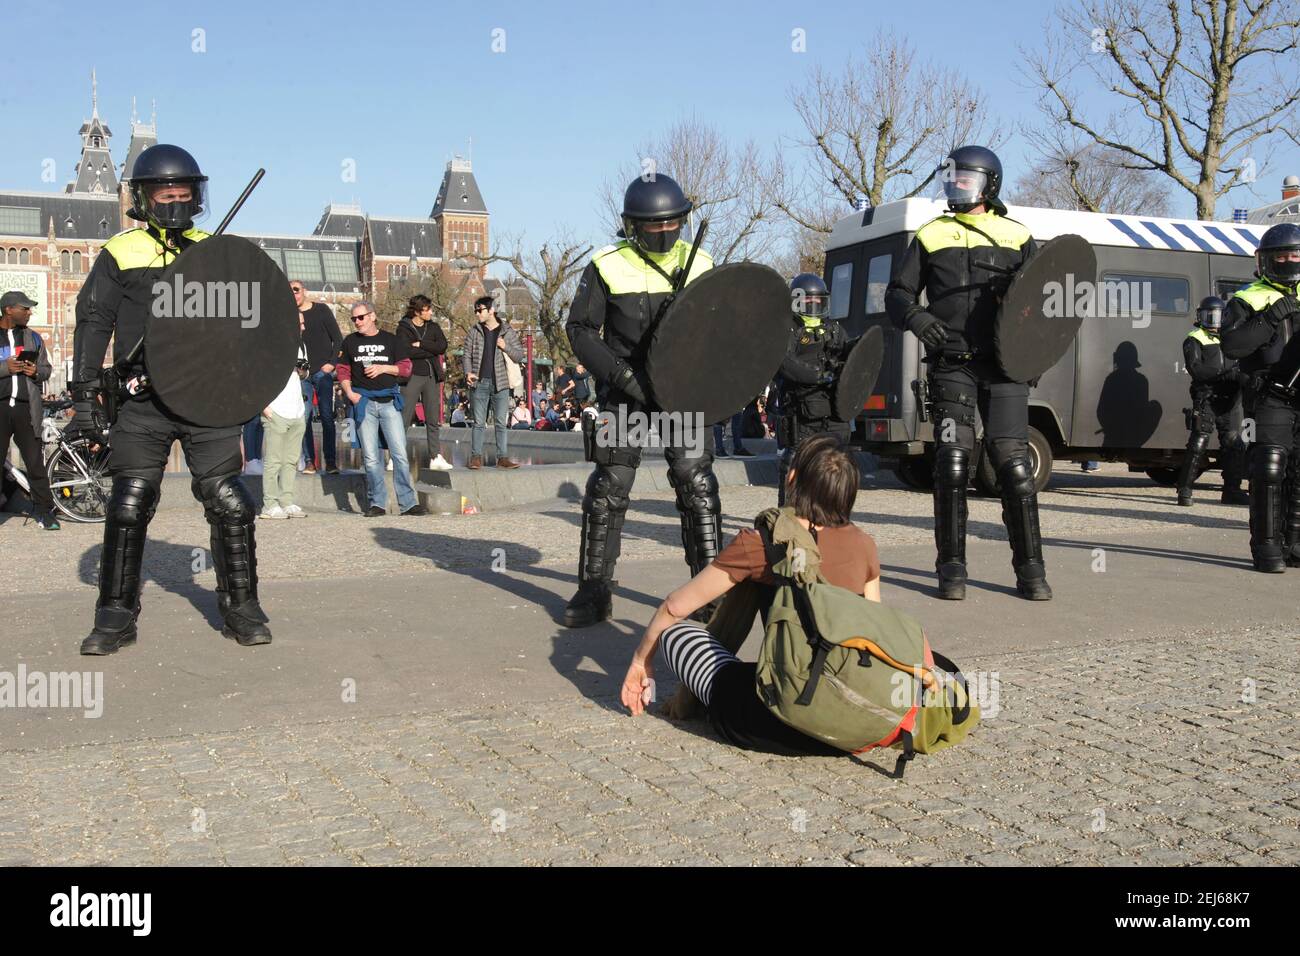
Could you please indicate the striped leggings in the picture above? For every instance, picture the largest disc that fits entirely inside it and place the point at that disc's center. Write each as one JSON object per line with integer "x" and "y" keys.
{"x": 695, "y": 656}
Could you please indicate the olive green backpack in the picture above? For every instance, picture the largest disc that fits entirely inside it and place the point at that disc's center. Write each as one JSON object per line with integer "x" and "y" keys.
{"x": 846, "y": 670}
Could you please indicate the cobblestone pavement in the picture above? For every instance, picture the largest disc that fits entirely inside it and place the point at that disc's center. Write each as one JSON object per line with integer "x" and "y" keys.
{"x": 1136, "y": 755}
{"x": 1173, "y": 750}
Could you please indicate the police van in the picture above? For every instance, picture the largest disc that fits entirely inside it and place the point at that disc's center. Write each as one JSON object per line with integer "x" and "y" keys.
{"x": 1117, "y": 395}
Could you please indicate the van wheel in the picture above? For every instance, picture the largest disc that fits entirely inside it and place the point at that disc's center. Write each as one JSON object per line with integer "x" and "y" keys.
{"x": 1040, "y": 458}
{"x": 916, "y": 473}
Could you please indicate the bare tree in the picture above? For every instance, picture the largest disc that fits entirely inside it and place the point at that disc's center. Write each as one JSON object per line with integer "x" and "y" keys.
{"x": 726, "y": 186}
{"x": 1201, "y": 84}
{"x": 550, "y": 274}
{"x": 879, "y": 128}
{"x": 1090, "y": 178}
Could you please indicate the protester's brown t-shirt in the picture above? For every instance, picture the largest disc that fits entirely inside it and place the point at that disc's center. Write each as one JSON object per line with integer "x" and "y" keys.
{"x": 849, "y": 558}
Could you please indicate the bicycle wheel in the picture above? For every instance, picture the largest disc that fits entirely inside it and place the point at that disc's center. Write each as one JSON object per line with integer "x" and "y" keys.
{"x": 79, "y": 481}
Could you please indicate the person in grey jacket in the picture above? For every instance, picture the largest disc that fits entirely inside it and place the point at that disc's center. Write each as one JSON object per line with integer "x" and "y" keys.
{"x": 487, "y": 343}
{"x": 24, "y": 365}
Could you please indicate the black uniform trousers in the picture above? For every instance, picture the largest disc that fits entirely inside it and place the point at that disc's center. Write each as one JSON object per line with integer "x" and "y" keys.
{"x": 16, "y": 424}
{"x": 141, "y": 439}
{"x": 604, "y": 506}
{"x": 1218, "y": 409}
{"x": 959, "y": 387}
{"x": 1274, "y": 466}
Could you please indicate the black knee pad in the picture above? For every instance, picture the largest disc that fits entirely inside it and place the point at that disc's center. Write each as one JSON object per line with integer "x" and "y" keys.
{"x": 951, "y": 466}
{"x": 132, "y": 502}
{"x": 1268, "y": 464}
{"x": 696, "y": 487}
{"x": 1017, "y": 478}
{"x": 226, "y": 499}
{"x": 607, "y": 491}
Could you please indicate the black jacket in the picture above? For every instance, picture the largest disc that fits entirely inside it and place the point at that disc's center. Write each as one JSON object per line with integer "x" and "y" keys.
{"x": 426, "y": 343}
{"x": 962, "y": 273}
{"x": 322, "y": 335}
{"x": 810, "y": 354}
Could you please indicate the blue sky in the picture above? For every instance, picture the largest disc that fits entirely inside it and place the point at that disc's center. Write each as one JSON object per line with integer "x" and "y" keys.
{"x": 301, "y": 88}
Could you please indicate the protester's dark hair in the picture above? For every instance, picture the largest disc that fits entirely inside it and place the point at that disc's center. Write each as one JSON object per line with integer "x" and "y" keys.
{"x": 416, "y": 305}
{"x": 486, "y": 300}
{"x": 826, "y": 481}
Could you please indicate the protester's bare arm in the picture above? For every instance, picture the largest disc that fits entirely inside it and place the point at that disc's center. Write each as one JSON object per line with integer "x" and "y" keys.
{"x": 872, "y": 591}
{"x": 709, "y": 585}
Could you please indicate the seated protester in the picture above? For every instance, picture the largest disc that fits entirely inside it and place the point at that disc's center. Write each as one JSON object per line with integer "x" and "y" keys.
{"x": 521, "y": 417}
{"x": 823, "y": 484}
{"x": 458, "y": 416}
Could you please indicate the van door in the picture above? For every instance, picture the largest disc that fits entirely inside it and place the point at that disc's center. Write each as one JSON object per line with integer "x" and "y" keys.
{"x": 1130, "y": 389}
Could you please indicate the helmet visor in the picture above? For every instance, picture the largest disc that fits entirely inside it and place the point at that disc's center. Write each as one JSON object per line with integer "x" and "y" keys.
{"x": 1210, "y": 318}
{"x": 1281, "y": 265}
{"x": 172, "y": 204}
{"x": 810, "y": 305}
{"x": 964, "y": 187}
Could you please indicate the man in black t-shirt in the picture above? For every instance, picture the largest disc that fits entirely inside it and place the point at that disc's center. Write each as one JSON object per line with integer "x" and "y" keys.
{"x": 321, "y": 335}
{"x": 371, "y": 362}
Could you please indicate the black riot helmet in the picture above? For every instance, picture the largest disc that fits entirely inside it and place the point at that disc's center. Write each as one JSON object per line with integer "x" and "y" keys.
{"x": 809, "y": 297}
{"x": 972, "y": 175}
{"x": 161, "y": 166}
{"x": 1278, "y": 256}
{"x": 653, "y": 209}
{"x": 1209, "y": 314}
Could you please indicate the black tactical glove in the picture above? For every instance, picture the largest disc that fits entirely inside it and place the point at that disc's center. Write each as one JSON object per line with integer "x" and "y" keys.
{"x": 930, "y": 330}
{"x": 89, "y": 418}
{"x": 625, "y": 380}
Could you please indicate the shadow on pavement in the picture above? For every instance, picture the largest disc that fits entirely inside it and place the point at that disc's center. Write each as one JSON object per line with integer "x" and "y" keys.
{"x": 161, "y": 561}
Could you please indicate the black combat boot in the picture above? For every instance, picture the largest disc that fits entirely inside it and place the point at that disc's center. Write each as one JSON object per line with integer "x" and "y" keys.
{"x": 130, "y": 508}
{"x": 951, "y": 464}
{"x": 598, "y": 549}
{"x": 700, "y": 510}
{"x": 1267, "y": 508}
{"x": 232, "y": 519}
{"x": 1020, "y": 515}
{"x": 1234, "y": 470}
{"x": 1196, "y": 446}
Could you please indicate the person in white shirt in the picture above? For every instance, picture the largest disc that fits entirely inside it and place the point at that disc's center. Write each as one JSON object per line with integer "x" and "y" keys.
{"x": 284, "y": 426}
{"x": 521, "y": 417}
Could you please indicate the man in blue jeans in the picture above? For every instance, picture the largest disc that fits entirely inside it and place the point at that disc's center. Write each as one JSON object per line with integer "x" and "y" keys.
{"x": 487, "y": 344}
{"x": 323, "y": 339}
{"x": 371, "y": 362}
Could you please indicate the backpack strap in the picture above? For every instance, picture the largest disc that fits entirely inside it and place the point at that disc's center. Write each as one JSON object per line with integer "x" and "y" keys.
{"x": 821, "y": 648}
{"x": 959, "y": 714}
{"x": 909, "y": 751}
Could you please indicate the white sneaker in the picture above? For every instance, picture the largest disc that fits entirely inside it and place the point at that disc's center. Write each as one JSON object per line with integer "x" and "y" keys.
{"x": 389, "y": 466}
{"x": 440, "y": 464}
{"x": 253, "y": 466}
{"x": 293, "y": 511}
{"x": 275, "y": 511}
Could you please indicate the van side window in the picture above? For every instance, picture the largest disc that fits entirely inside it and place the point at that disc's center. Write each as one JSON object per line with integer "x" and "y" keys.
{"x": 1124, "y": 294}
{"x": 877, "y": 281}
{"x": 1224, "y": 288}
{"x": 841, "y": 288}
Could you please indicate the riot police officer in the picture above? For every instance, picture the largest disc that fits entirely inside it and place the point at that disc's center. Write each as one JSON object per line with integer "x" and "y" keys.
{"x": 612, "y": 318}
{"x": 168, "y": 193}
{"x": 1258, "y": 329}
{"x": 963, "y": 261}
{"x": 1216, "y": 395}
{"x": 809, "y": 370}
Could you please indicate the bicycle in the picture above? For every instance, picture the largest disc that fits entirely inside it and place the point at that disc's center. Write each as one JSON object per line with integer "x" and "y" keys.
{"x": 79, "y": 479}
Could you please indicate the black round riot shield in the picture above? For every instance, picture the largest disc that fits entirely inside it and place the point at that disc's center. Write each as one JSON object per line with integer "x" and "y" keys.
{"x": 858, "y": 377}
{"x": 222, "y": 336}
{"x": 720, "y": 342}
{"x": 1044, "y": 307}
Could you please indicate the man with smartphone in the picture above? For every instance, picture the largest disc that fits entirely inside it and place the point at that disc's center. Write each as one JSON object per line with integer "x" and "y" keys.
{"x": 24, "y": 365}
